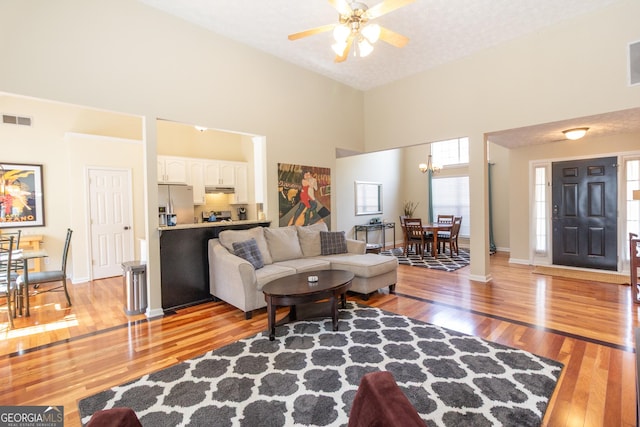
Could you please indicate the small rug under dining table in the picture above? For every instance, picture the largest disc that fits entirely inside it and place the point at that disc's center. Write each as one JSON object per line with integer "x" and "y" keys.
{"x": 310, "y": 374}
{"x": 444, "y": 261}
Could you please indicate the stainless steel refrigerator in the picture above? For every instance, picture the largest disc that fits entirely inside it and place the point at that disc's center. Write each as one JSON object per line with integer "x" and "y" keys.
{"x": 177, "y": 200}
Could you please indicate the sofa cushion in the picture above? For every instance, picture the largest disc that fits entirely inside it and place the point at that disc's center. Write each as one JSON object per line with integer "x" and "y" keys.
{"x": 271, "y": 272}
{"x": 333, "y": 242}
{"x": 283, "y": 243}
{"x": 248, "y": 250}
{"x": 227, "y": 237}
{"x": 306, "y": 264}
{"x": 309, "y": 237}
{"x": 365, "y": 265}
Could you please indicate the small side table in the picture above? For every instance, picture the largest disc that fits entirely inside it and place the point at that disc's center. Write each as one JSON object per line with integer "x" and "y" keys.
{"x": 383, "y": 226}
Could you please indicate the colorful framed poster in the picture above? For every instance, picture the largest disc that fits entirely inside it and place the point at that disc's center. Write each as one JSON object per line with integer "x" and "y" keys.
{"x": 21, "y": 196}
{"x": 304, "y": 195}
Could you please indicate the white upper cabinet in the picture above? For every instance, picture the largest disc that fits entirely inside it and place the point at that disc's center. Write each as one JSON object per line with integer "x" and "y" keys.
{"x": 218, "y": 172}
{"x": 196, "y": 180}
{"x": 172, "y": 170}
{"x": 241, "y": 195}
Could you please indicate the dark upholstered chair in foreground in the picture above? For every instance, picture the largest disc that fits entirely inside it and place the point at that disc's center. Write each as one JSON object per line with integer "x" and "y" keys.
{"x": 379, "y": 402}
{"x": 114, "y": 417}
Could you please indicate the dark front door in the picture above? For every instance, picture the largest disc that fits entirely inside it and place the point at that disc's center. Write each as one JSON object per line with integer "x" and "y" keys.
{"x": 584, "y": 213}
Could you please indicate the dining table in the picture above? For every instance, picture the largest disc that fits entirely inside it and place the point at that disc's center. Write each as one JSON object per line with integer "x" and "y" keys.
{"x": 23, "y": 293}
{"x": 435, "y": 228}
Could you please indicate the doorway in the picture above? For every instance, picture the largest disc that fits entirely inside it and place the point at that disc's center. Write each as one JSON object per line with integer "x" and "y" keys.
{"x": 584, "y": 213}
{"x": 110, "y": 215}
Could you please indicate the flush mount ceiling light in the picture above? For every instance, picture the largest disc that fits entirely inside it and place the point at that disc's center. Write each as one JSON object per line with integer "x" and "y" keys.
{"x": 354, "y": 29}
{"x": 575, "y": 133}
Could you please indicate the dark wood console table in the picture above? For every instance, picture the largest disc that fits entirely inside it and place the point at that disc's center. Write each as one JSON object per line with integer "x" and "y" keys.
{"x": 383, "y": 226}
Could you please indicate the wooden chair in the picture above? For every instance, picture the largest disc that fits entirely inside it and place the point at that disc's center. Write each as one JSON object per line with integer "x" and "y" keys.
{"x": 40, "y": 277}
{"x": 8, "y": 285}
{"x": 634, "y": 264}
{"x": 451, "y": 237}
{"x": 446, "y": 219}
{"x": 416, "y": 236}
{"x": 404, "y": 233}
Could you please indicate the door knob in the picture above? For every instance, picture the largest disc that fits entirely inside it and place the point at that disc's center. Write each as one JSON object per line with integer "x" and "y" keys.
{"x": 126, "y": 227}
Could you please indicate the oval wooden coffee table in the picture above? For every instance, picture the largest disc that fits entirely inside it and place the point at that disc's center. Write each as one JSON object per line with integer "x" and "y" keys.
{"x": 296, "y": 290}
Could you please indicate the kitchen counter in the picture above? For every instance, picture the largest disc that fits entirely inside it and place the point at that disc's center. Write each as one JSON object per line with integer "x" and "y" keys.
{"x": 184, "y": 260}
{"x": 228, "y": 224}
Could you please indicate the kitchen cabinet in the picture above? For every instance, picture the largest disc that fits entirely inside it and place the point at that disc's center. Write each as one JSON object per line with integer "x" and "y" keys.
{"x": 219, "y": 173}
{"x": 241, "y": 195}
{"x": 172, "y": 170}
{"x": 196, "y": 180}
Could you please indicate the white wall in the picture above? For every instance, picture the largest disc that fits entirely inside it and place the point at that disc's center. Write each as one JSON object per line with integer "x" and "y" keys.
{"x": 124, "y": 56}
{"x": 574, "y": 69}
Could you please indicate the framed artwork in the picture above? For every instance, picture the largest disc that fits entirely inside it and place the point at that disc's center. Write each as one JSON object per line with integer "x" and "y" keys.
{"x": 304, "y": 195}
{"x": 21, "y": 196}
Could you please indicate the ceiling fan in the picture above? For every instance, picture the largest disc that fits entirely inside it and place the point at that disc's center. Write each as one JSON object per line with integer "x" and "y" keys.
{"x": 354, "y": 26}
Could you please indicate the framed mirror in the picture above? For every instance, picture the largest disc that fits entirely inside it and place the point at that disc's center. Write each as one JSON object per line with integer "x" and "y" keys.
{"x": 368, "y": 198}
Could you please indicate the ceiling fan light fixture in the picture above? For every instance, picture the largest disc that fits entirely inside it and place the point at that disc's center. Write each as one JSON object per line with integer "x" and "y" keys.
{"x": 340, "y": 33}
{"x": 339, "y": 47}
{"x": 364, "y": 47}
{"x": 575, "y": 133}
{"x": 371, "y": 32}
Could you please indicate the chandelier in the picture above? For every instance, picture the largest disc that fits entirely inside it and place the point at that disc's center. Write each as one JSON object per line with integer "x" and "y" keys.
{"x": 429, "y": 166}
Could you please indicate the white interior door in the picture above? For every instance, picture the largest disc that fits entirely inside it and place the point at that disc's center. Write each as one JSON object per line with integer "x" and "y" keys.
{"x": 111, "y": 219}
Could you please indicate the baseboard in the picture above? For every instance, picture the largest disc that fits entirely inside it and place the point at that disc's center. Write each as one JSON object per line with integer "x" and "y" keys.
{"x": 478, "y": 278}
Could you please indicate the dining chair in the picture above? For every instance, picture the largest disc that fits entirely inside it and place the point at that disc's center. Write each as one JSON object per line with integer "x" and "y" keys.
{"x": 37, "y": 278}
{"x": 404, "y": 233}
{"x": 451, "y": 237}
{"x": 16, "y": 265}
{"x": 8, "y": 284}
{"x": 415, "y": 235}
{"x": 445, "y": 219}
{"x": 634, "y": 264}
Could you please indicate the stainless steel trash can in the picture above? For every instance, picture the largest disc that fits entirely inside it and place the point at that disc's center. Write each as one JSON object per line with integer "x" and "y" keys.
{"x": 134, "y": 283}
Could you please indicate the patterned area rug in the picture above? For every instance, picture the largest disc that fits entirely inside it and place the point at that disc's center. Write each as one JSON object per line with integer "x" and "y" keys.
{"x": 309, "y": 376}
{"x": 444, "y": 262}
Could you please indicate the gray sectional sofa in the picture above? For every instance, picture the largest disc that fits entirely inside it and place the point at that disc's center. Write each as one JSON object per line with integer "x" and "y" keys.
{"x": 279, "y": 252}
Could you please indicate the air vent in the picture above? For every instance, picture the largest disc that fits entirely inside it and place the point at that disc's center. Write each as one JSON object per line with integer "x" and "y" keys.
{"x": 634, "y": 63}
{"x": 9, "y": 119}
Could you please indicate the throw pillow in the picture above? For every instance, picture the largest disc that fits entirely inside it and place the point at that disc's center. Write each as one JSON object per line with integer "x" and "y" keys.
{"x": 249, "y": 250}
{"x": 283, "y": 243}
{"x": 333, "y": 242}
{"x": 227, "y": 237}
{"x": 309, "y": 236}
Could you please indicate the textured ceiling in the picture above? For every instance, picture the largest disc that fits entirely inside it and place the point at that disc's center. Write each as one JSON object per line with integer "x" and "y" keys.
{"x": 439, "y": 31}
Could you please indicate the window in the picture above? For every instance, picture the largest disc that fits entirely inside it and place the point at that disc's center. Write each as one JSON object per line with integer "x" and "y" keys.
{"x": 368, "y": 198}
{"x": 540, "y": 209}
{"x": 450, "y": 152}
{"x": 632, "y": 182}
{"x": 451, "y": 197}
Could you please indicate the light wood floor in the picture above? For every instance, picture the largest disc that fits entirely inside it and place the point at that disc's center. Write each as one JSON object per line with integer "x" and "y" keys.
{"x": 60, "y": 355}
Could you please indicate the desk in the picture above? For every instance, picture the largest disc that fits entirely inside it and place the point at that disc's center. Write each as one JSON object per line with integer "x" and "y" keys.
{"x": 379, "y": 226}
{"x": 434, "y": 228}
{"x": 25, "y": 255}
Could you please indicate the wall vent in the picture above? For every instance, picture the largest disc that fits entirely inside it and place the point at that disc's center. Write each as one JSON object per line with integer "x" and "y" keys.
{"x": 634, "y": 63}
{"x": 10, "y": 119}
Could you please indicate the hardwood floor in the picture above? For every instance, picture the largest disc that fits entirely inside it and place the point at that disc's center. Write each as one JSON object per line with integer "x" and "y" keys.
{"x": 60, "y": 355}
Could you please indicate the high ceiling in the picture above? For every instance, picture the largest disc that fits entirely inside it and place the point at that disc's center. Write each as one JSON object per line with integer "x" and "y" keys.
{"x": 439, "y": 31}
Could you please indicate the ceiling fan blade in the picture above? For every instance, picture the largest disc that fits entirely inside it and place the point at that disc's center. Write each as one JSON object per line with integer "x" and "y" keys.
{"x": 386, "y": 7}
{"x": 342, "y": 6}
{"x": 343, "y": 57}
{"x": 393, "y": 38}
{"x": 312, "y": 31}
